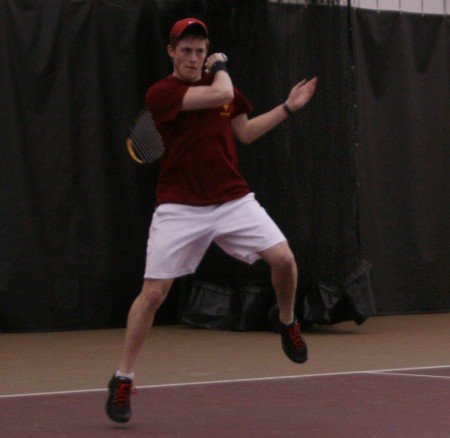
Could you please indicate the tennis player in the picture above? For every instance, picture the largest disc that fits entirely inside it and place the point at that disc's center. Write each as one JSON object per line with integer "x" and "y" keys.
{"x": 201, "y": 197}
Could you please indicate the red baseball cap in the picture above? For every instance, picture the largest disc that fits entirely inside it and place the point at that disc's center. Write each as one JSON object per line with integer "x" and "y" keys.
{"x": 180, "y": 26}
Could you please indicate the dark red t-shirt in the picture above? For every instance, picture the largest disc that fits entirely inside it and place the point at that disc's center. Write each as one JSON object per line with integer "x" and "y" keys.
{"x": 200, "y": 165}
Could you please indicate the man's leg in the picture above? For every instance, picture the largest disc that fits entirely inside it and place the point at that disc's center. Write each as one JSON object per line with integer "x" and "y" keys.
{"x": 140, "y": 320}
{"x": 284, "y": 280}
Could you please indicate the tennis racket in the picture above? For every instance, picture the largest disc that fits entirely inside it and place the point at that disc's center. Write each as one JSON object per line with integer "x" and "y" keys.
{"x": 144, "y": 143}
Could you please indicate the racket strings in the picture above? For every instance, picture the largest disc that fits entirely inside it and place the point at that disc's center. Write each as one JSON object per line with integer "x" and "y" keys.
{"x": 146, "y": 140}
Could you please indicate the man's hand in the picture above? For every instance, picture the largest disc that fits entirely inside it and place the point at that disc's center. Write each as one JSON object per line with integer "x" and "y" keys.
{"x": 213, "y": 58}
{"x": 301, "y": 94}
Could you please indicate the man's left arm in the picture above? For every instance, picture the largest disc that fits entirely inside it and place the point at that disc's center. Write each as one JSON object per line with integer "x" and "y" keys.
{"x": 248, "y": 130}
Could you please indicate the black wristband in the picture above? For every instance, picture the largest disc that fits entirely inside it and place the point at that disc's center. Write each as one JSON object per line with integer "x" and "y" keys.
{"x": 217, "y": 66}
{"x": 288, "y": 110}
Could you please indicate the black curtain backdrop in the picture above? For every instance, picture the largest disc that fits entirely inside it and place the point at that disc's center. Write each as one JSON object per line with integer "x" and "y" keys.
{"x": 403, "y": 115}
{"x": 75, "y": 209}
{"x": 303, "y": 172}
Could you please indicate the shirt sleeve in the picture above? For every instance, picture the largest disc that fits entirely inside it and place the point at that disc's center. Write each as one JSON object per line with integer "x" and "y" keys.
{"x": 164, "y": 100}
{"x": 241, "y": 104}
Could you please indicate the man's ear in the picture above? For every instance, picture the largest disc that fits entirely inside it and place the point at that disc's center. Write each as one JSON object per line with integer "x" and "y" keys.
{"x": 170, "y": 51}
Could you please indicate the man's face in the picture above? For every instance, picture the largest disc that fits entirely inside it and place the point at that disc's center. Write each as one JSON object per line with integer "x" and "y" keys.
{"x": 188, "y": 58}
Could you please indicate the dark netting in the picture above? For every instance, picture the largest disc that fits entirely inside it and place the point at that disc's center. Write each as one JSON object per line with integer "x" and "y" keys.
{"x": 303, "y": 172}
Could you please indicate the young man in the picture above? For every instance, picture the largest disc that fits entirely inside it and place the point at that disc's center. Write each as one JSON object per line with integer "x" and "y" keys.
{"x": 201, "y": 197}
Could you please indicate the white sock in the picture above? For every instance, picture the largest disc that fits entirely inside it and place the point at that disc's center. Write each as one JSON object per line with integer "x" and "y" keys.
{"x": 127, "y": 375}
{"x": 288, "y": 324}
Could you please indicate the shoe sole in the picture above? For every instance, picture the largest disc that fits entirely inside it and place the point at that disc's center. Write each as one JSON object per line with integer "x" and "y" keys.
{"x": 113, "y": 417}
{"x": 301, "y": 359}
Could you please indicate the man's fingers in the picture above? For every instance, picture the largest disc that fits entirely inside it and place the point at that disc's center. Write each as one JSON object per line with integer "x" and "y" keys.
{"x": 312, "y": 81}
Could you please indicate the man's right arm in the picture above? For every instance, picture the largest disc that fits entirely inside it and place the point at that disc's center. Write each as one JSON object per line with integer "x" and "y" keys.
{"x": 219, "y": 93}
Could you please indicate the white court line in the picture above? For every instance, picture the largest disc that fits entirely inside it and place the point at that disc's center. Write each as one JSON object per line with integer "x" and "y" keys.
{"x": 427, "y": 376}
{"x": 256, "y": 379}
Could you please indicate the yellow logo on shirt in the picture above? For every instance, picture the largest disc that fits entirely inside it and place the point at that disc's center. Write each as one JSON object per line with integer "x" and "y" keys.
{"x": 226, "y": 110}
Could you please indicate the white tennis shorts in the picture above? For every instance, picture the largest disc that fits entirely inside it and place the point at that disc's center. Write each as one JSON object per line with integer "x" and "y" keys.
{"x": 180, "y": 235}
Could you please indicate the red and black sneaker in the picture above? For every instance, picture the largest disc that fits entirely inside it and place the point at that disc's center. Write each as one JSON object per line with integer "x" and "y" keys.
{"x": 118, "y": 404}
{"x": 294, "y": 345}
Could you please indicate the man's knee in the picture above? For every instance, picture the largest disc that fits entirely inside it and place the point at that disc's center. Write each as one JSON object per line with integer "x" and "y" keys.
{"x": 286, "y": 261}
{"x": 280, "y": 257}
{"x": 154, "y": 293}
